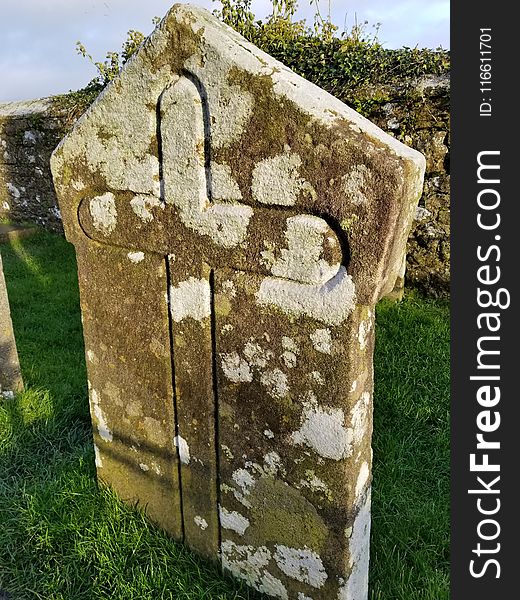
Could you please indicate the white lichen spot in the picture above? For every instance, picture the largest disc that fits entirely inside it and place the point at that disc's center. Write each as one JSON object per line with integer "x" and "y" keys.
{"x": 323, "y": 430}
{"x": 78, "y": 185}
{"x": 244, "y": 480}
{"x": 359, "y": 416}
{"x": 144, "y": 467}
{"x": 191, "y": 298}
{"x": 353, "y": 386}
{"x": 268, "y": 434}
{"x": 29, "y": 137}
{"x": 314, "y": 483}
{"x": 136, "y": 257}
{"x": 143, "y": 205}
{"x": 322, "y": 340}
{"x": 272, "y": 462}
{"x": 301, "y": 564}
{"x": 272, "y": 586}
{"x": 97, "y": 457}
{"x": 104, "y": 432}
{"x": 103, "y": 212}
{"x": 91, "y": 357}
{"x": 235, "y": 368}
{"x": 201, "y": 522}
{"x": 233, "y": 521}
{"x": 156, "y": 468}
{"x": 357, "y": 584}
{"x": 267, "y": 256}
{"x": 302, "y": 259}
{"x": 289, "y": 359}
{"x": 316, "y": 375}
{"x": 290, "y": 345}
{"x": 227, "y": 327}
{"x": 277, "y": 180}
{"x": 275, "y": 382}
{"x": 223, "y": 185}
{"x": 184, "y": 450}
{"x": 330, "y": 303}
{"x": 256, "y": 355}
{"x": 355, "y": 184}
{"x": 303, "y": 596}
{"x": 364, "y": 474}
{"x": 228, "y": 288}
{"x": 245, "y": 562}
{"x": 227, "y": 451}
{"x": 364, "y": 330}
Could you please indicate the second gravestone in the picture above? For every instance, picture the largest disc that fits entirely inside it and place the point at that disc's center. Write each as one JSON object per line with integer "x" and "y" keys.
{"x": 234, "y": 227}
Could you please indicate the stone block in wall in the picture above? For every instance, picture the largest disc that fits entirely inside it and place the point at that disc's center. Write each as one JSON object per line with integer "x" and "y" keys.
{"x": 234, "y": 227}
{"x": 29, "y": 132}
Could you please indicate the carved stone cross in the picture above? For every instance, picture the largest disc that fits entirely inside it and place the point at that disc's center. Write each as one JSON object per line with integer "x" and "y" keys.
{"x": 234, "y": 227}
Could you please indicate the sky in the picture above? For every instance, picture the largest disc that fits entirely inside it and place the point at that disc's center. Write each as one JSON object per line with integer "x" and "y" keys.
{"x": 38, "y": 37}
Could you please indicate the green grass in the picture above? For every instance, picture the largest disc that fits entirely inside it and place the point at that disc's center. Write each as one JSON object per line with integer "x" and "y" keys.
{"x": 63, "y": 538}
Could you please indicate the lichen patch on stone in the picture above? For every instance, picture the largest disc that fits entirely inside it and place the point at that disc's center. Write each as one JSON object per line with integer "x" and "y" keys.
{"x": 277, "y": 180}
{"x": 235, "y": 368}
{"x": 324, "y": 431}
{"x": 245, "y": 561}
{"x": 97, "y": 457}
{"x": 142, "y": 207}
{"x": 103, "y": 430}
{"x": 301, "y": 564}
{"x": 356, "y": 585}
{"x": 200, "y": 522}
{"x": 233, "y": 521}
{"x": 303, "y": 260}
{"x": 330, "y": 303}
{"x": 355, "y": 184}
{"x": 191, "y": 298}
{"x": 103, "y": 212}
{"x": 136, "y": 257}
{"x": 276, "y": 383}
{"x": 184, "y": 450}
{"x": 322, "y": 341}
{"x": 364, "y": 474}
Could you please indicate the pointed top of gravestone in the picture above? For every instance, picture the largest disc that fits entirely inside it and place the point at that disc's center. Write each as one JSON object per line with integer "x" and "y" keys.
{"x": 272, "y": 139}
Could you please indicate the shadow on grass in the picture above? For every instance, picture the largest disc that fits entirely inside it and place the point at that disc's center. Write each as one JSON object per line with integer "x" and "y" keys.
{"x": 62, "y": 537}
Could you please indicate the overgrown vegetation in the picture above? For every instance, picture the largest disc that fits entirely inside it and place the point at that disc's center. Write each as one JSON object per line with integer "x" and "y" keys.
{"x": 63, "y": 538}
{"x": 348, "y": 64}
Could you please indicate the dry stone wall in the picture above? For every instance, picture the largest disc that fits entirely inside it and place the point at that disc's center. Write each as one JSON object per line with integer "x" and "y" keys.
{"x": 418, "y": 113}
{"x": 29, "y": 132}
{"x": 415, "y": 112}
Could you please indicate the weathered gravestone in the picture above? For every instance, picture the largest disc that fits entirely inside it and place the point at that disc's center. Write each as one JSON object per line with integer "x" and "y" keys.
{"x": 234, "y": 227}
{"x": 10, "y": 375}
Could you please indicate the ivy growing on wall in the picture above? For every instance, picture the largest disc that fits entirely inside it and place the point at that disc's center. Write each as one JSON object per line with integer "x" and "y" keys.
{"x": 352, "y": 65}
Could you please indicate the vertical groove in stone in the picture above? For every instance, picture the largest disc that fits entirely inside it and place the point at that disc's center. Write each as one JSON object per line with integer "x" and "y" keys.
{"x": 174, "y": 392}
{"x": 216, "y": 401}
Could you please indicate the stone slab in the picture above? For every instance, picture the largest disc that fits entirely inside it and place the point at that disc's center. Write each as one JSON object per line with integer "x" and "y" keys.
{"x": 10, "y": 374}
{"x": 235, "y": 226}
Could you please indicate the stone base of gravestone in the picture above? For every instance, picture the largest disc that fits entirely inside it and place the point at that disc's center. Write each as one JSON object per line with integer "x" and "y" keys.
{"x": 10, "y": 232}
{"x": 10, "y": 375}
